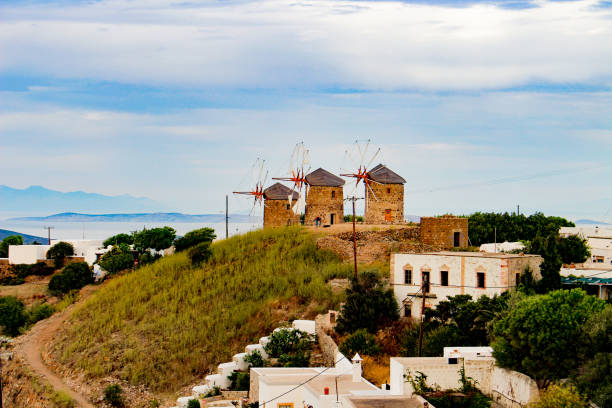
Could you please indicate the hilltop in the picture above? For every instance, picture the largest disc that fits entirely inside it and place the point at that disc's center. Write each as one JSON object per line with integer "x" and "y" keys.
{"x": 167, "y": 325}
{"x": 27, "y": 239}
{"x": 139, "y": 217}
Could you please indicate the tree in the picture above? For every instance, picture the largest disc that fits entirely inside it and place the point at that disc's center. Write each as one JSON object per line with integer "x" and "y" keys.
{"x": 155, "y": 238}
{"x": 574, "y": 249}
{"x": 73, "y": 276}
{"x": 117, "y": 259}
{"x": 59, "y": 252}
{"x": 10, "y": 240}
{"x": 548, "y": 248}
{"x": 118, "y": 239}
{"x": 369, "y": 305}
{"x": 113, "y": 395}
{"x": 540, "y": 335}
{"x": 12, "y": 315}
{"x": 361, "y": 342}
{"x": 193, "y": 238}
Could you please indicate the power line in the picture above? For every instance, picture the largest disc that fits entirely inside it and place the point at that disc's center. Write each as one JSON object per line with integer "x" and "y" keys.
{"x": 304, "y": 383}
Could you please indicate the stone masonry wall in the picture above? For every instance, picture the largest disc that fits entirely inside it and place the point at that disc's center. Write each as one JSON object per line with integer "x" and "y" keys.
{"x": 320, "y": 203}
{"x": 276, "y": 214}
{"x": 439, "y": 231}
{"x": 388, "y": 197}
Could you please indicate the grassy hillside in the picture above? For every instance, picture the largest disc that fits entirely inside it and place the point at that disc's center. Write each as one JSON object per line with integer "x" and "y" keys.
{"x": 168, "y": 323}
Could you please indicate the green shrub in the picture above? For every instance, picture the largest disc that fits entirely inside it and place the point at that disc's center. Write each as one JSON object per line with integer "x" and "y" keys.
{"x": 41, "y": 269}
{"x": 10, "y": 240}
{"x": 59, "y": 252}
{"x": 12, "y": 315}
{"x": 287, "y": 341}
{"x": 39, "y": 312}
{"x": 147, "y": 258}
{"x": 73, "y": 276}
{"x": 193, "y": 403}
{"x": 200, "y": 253}
{"x": 240, "y": 381}
{"x": 556, "y": 396}
{"x": 213, "y": 393}
{"x": 193, "y": 238}
{"x": 12, "y": 281}
{"x": 154, "y": 403}
{"x": 154, "y": 238}
{"x": 295, "y": 359}
{"x": 62, "y": 400}
{"x": 117, "y": 259}
{"x": 361, "y": 342}
{"x": 255, "y": 359}
{"x": 113, "y": 395}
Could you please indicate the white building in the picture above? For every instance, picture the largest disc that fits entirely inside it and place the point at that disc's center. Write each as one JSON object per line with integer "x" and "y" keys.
{"x": 502, "y": 247}
{"x": 455, "y": 273}
{"x": 595, "y": 278}
{"x": 599, "y": 240}
{"x": 30, "y": 254}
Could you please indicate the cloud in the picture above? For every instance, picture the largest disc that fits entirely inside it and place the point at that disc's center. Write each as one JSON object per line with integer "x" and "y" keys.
{"x": 311, "y": 44}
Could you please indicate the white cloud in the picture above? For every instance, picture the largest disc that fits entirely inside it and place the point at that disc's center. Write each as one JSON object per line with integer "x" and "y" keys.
{"x": 280, "y": 43}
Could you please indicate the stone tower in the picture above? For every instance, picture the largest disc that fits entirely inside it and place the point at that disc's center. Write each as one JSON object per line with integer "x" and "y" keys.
{"x": 325, "y": 199}
{"x": 277, "y": 210}
{"x": 388, "y": 206}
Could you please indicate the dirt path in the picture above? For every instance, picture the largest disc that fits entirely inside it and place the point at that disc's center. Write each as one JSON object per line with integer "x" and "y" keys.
{"x": 35, "y": 341}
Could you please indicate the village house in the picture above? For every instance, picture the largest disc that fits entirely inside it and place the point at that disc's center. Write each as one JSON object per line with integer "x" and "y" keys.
{"x": 86, "y": 250}
{"x": 599, "y": 240}
{"x": 385, "y": 200}
{"x": 325, "y": 199}
{"x": 278, "y": 206}
{"x": 444, "y": 232}
{"x": 595, "y": 278}
{"x": 449, "y": 273}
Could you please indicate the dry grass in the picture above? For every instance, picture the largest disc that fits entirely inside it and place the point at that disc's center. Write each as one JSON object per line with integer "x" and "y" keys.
{"x": 29, "y": 292}
{"x": 167, "y": 324}
{"x": 376, "y": 369}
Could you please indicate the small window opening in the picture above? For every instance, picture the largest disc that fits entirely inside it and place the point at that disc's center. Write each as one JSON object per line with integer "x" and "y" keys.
{"x": 333, "y": 194}
{"x": 425, "y": 280}
{"x": 288, "y": 206}
{"x": 407, "y": 309}
{"x": 444, "y": 278}
{"x": 388, "y": 190}
{"x": 480, "y": 278}
{"x": 457, "y": 239}
{"x": 408, "y": 277}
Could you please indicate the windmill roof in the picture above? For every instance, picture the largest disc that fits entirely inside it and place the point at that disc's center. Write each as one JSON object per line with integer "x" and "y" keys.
{"x": 382, "y": 174}
{"x": 322, "y": 177}
{"x": 278, "y": 191}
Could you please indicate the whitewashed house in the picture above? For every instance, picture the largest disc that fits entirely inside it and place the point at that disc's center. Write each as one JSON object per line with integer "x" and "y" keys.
{"x": 599, "y": 240}
{"x": 451, "y": 273}
{"x": 88, "y": 249}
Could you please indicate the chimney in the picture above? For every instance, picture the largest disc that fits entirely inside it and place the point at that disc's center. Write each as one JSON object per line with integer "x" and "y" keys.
{"x": 356, "y": 368}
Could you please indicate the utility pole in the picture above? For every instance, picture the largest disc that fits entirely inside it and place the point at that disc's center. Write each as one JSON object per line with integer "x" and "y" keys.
{"x": 424, "y": 285}
{"x": 353, "y": 199}
{"x": 518, "y": 209}
{"x": 495, "y": 237}
{"x": 226, "y": 220}
{"x": 48, "y": 242}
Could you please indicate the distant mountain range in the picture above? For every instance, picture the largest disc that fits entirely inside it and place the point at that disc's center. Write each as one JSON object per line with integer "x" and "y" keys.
{"x": 27, "y": 239}
{"x": 37, "y": 199}
{"x": 141, "y": 217}
{"x": 590, "y": 222}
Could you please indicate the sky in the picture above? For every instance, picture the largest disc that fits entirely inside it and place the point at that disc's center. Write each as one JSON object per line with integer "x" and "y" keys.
{"x": 480, "y": 106}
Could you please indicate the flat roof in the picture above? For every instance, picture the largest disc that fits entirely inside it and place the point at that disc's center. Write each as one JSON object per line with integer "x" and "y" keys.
{"x": 345, "y": 384}
{"x": 499, "y": 255}
{"x": 387, "y": 401}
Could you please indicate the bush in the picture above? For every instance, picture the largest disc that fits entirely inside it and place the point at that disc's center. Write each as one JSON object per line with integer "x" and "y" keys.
{"x": 200, "y": 253}
{"x": 113, "y": 395}
{"x": 240, "y": 381}
{"x": 62, "y": 400}
{"x": 213, "y": 393}
{"x": 117, "y": 259}
{"x": 39, "y": 312}
{"x": 59, "y": 252}
{"x": 287, "y": 341}
{"x": 297, "y": 359}
{"x": 12, "y": 281}
{"x": 194, "y": 238}
{"x": 73, "y": 276}
{"x": 193, "y": 403}
{"x": 12, "y": 315}
{"x": 369, "y": 305}
{"x": 41, "y": 269}
{"x": 10, "y": 240}
{"x": 556, "y": 396}
{"x": 349, "y": 218}
{"x": 147, "y": 258}
{"x": 155, "y": 238}
{"x": 255, "y": 359}
{"x": 361, "y": 342}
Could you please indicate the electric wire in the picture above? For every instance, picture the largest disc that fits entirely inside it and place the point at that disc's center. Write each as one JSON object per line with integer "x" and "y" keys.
{"x": 305, "y": 382}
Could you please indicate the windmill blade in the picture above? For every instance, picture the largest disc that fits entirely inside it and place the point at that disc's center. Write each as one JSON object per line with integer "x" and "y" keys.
{"x": 372, "y": 191}
{"x": 372, "y": 159}
{"x": 365, "y": 152}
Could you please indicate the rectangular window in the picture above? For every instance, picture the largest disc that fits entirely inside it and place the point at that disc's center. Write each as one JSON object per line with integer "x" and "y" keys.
{"x": 425, "y": 280}
{"x": 456, "y": 239}
{"x": 407, "y": 309}
{"x": 444, "y": 278}
{"x": 388, "y": 190}
{"x": 480, "y": 279}
{"x": 288, "y": 206}
{"x": 408, "y": 277}
{"x": 333, "y": 194}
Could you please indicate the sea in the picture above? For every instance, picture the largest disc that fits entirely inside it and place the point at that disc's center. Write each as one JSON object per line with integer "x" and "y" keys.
{"x": 103, "y": 230}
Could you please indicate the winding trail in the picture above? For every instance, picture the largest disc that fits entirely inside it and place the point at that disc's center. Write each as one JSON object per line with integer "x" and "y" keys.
{"x": 35, "y": 341}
